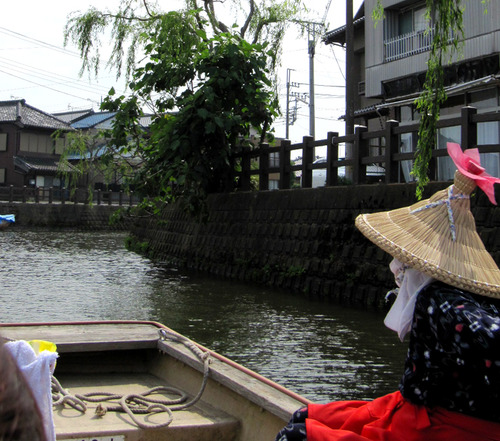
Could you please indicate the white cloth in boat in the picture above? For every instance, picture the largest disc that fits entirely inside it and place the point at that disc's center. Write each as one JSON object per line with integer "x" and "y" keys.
{"x": 37, "y": 370}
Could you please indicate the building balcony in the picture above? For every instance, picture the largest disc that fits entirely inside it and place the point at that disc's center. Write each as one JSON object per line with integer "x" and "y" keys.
{"x": 407, "y": 45}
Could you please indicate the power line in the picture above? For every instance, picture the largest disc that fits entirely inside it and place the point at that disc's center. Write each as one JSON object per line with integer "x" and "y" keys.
{"x": 40, "y": 42}
{"x": 42, "y": 74}
{"x": 47, "y": 87}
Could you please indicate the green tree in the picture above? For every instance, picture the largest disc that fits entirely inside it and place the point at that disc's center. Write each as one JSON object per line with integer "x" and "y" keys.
{"x": 90, "y": 158}
{"x": 207, "y": 84}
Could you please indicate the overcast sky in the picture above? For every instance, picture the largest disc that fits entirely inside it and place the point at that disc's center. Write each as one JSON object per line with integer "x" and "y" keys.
{"x": 35, "y": 66}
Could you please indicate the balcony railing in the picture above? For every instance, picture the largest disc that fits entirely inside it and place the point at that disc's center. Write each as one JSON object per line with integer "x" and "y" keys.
{"x": 408, "y": 44}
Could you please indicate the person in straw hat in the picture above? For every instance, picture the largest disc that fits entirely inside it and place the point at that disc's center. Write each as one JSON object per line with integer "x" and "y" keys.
{"x": 448, "y": 302}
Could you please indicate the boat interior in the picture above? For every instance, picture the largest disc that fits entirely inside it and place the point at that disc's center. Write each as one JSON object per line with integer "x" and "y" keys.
{"x": 130, "y": 359}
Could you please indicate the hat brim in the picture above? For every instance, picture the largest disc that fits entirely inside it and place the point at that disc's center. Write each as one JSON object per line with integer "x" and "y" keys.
{"x": 422, "y": 239}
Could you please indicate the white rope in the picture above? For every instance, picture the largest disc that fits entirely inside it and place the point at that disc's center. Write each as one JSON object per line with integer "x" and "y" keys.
{"x": 140, "y": 403}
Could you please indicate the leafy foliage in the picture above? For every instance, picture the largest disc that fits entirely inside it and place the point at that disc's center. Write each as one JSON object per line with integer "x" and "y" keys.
{"x": 264, "y": 20}
{"x": 447, "y": 17}
{"x": 90, "y": 158}
{"x": 206, "y": 85}
{"x": 189, "y": 152}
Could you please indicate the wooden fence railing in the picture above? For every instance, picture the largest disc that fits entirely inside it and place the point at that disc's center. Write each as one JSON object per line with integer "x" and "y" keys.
{"x": 52, "y": 195}
{"x": 365, "y": 149}
{"x": 379, "y": 149}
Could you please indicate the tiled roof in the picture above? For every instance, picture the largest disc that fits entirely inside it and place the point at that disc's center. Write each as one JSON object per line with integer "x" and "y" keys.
{"x": 73, "y": 115}
{"x": 144, "y": 121}
{"x": 93, "y": 120}
{"x": 29, "y": 164}
{"x": 338, "y": 35}
{"x": 22, "y": 113}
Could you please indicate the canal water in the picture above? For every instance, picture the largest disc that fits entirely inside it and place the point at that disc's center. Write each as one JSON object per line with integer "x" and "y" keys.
{"x": 323, "y": 351}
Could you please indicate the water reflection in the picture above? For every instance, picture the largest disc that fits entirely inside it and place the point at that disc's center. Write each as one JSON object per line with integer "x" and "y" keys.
{"x": 323, "y": 351}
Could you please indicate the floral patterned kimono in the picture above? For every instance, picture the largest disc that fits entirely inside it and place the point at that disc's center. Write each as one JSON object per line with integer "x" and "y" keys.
{"x": 450, "y": 388}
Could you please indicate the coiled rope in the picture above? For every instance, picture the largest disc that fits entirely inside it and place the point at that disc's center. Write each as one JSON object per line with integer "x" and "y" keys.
{"x": 141, "y": 403}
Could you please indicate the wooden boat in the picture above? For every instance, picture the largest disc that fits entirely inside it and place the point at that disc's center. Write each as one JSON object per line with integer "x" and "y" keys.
{"x": 128, "y": 358}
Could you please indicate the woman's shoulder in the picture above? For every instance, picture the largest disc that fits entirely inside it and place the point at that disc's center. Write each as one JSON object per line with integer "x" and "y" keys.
{"x": 443, "y": 296}
{"x": 454, "y": 314}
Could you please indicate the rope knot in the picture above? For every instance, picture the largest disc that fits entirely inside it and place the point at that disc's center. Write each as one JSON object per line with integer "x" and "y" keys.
{"x": 100, "y": 410}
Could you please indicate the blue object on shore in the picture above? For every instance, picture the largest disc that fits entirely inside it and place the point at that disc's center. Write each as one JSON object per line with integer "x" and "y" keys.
{"x": 8, "y": 218}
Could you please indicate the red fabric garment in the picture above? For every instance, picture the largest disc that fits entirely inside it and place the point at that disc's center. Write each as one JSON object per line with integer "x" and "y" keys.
{"x": 392, "y": 418}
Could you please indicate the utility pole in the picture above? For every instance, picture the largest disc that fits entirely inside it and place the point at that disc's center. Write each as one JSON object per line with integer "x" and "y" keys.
{"x": 311, "y": 32}
{"x": 288, "y": 85}
{"x": 349, "y": 90}
{"x": 349, "y": 93}
{"x": 313, "y": 29}
{"x": 311, "y": 48}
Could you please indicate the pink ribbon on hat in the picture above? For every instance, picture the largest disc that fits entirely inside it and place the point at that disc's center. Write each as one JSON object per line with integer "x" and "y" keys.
{"x": 469, "y": 164}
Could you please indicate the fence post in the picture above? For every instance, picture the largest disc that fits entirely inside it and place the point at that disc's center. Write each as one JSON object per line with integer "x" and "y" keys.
{"x": 75, "y": 201}
{"x": 332, "y": 154}
{"x": 245, "y": 169}
{"x": 285, "y": 174}
{"x": 391, "y": 147}
{"x": 24, "y": 194}
{"x": 51, "y": 194}
{"x": 264, "y": 167}
{"x": 130, "y": 198}
{"x": 37, "y": 195}
{"x": 98, "y": 196}
{"x": 120, "y": 198}
{"x": 307, "y": 160}
{"x": 469, "y": 128}
{"x": 63, "y": 195}
{"x": 110, "y": 196}
{"x": 11, "y": 194}
{"x": 360, "y": 150}
{"x": 229, "y": 182}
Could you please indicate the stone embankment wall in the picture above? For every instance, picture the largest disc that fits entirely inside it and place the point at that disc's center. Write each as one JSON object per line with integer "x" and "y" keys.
{"x": 301, "y": 240}
{"x": 79, "y": 216}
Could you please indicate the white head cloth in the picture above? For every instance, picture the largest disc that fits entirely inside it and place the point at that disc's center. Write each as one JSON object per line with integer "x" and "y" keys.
{"x": 410, "y": 282}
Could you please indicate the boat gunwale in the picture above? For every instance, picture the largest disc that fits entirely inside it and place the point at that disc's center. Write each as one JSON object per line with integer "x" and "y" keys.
{"x": 217, "y": 376}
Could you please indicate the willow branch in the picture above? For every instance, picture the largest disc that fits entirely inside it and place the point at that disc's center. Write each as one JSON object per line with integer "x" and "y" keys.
{"x": 145, "y": 2}
{"x": 129, "y": 18}
{"x": 216, "y": 24}
{"x": 248, "y": 20}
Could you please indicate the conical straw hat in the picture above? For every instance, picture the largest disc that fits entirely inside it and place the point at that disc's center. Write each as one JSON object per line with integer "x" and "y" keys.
{"x": 438, "y": 237}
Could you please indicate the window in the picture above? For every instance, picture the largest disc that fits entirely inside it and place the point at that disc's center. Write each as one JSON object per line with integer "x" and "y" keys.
{"x": 445, "y": 166}
{"x": 60, "y": 143}
{"x": 3, "y": 142}
{"x": 274, "y": 184}
{"x": 489, "y": 133}
{"x": 408, "y": 21}
{"x": 32, "y": 142}
{"x": 274, "y": 159}
{"x": 406, "y": 146}
{"x": 407, "y": 32}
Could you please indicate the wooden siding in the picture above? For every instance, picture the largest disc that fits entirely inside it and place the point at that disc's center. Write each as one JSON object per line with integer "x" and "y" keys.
{"x": 482, "y": 32}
